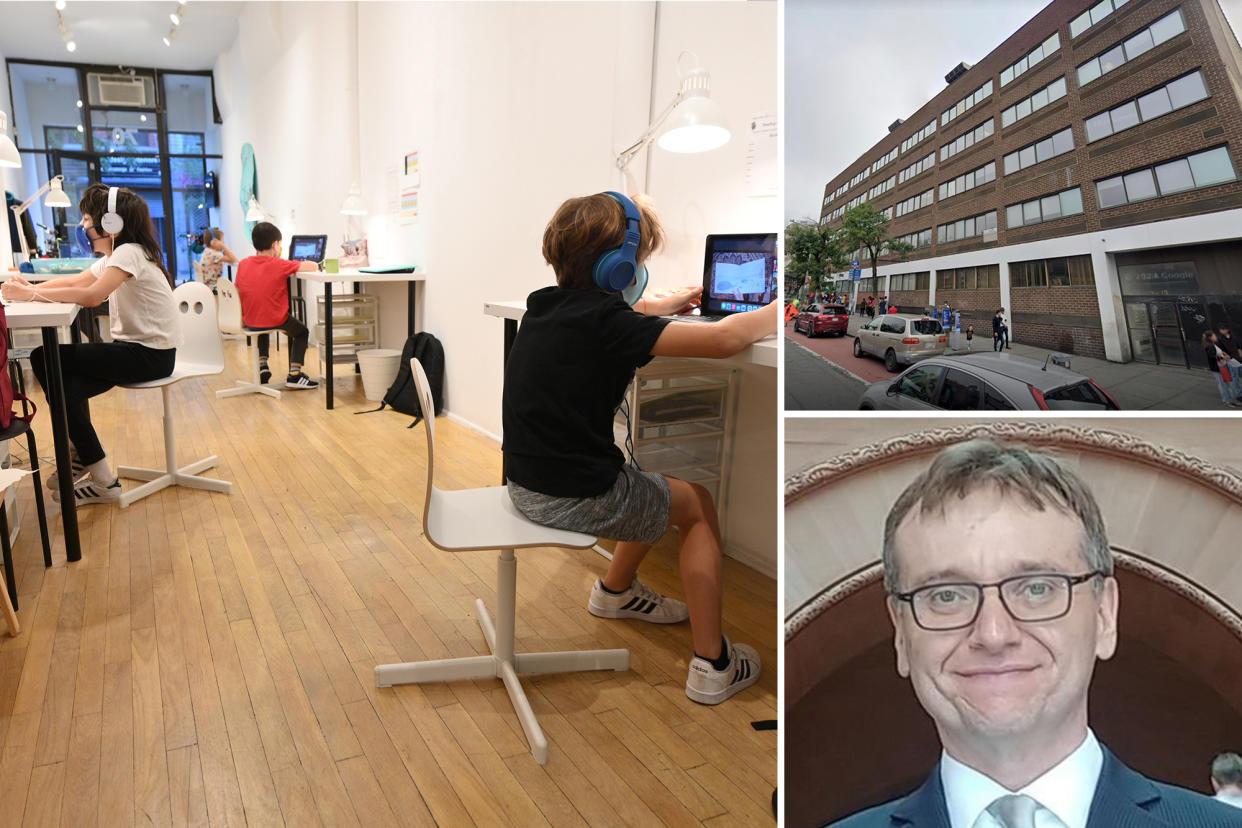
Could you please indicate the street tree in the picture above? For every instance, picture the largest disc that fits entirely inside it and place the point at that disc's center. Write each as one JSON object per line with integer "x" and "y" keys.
{"x": 865, "y": 229}
{"x": 812, "y": 251}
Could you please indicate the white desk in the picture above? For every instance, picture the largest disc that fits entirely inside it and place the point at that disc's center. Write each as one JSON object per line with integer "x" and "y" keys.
{"x": 357, "y": 277}
{"x": 751, "y": 534}
{"x": 49, "y": 317}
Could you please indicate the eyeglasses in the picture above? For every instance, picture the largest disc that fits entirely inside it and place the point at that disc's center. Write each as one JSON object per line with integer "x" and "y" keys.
{"x": 1033, "y": 597}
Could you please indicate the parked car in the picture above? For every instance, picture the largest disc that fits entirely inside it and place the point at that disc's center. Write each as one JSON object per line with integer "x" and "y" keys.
{"x": 822, "y": 319}
{"x": 900, "y": 339}
{"x": 988, "y": 382}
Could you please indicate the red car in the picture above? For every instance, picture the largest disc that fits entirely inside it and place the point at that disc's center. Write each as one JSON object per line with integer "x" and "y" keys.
{"x": 822, "y": 319}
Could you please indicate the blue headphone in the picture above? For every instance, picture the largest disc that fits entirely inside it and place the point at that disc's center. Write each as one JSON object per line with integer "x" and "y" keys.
{"x": 616, "y": 269}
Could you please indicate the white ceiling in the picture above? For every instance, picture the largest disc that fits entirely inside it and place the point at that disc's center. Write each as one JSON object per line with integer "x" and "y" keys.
{"x": 119, "y": 33}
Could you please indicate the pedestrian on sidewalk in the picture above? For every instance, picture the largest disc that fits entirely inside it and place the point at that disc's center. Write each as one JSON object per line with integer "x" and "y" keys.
{"x": 1004, "y": 326}
{"x": 1230, "y": 346}
{"x": 1218, "y": 364}
{"x": 996, "y": 330}
{"x": 970, "y": 336}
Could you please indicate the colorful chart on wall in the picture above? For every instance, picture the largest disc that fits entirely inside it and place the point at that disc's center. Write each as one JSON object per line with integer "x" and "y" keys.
{"x": 249, "y": 184}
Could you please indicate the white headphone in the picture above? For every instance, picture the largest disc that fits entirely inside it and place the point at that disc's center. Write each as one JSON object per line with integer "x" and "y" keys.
{"x": 112, "y": 222}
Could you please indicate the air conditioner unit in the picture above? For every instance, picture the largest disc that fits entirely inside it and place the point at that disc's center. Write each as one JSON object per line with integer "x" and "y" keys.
{"x": 122, "y": 90}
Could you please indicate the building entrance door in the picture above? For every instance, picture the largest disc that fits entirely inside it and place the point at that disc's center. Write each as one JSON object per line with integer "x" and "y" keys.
{"x": 1156, "y": 333}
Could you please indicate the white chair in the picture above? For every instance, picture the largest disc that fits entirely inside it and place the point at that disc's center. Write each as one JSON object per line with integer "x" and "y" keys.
{"x": 472, "y": 519}
{"x": 199, "y": 355}
{"x": 229, "y": 317}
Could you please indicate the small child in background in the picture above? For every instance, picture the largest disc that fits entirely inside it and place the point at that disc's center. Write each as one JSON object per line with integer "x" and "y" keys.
{"x": 215, "y": 256}
{"x": 970, "y": 335}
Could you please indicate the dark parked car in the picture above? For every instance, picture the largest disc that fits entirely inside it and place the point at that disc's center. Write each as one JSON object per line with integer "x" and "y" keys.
{"x": 822, "y": 319}
{"x": 988, "y": 382}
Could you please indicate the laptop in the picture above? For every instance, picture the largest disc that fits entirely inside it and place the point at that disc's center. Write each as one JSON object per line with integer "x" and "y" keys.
{"x": 308, "y": 248}
{"x": 739, "y": 275}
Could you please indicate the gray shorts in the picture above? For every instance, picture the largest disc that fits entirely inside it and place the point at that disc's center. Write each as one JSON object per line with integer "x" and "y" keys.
{"x": 636, "y": 508}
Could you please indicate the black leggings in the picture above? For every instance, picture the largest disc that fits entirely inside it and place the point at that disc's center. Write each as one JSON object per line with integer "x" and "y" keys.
{"x": 91, "y": 368}
{"x": 298, "y": 335}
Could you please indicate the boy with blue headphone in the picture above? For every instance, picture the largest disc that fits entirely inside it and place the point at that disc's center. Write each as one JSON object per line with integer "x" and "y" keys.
{"x": 574, "y": 356}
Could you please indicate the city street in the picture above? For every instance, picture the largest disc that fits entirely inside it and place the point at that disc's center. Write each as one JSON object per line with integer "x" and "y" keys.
{"x": 824, "y": 375}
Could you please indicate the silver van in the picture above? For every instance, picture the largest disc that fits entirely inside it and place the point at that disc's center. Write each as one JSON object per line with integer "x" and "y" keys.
{"x": 900, "y": 339}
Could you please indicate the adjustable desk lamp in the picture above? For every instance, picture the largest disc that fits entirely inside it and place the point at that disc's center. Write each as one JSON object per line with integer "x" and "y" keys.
{"x": 56, "y": 198}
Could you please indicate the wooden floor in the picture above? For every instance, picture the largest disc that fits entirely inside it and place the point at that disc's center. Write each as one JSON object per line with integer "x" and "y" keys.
{"x": 209, "y": 661}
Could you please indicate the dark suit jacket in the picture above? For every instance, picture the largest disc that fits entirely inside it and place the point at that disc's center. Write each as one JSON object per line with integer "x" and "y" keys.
{"x": 1123, "y": 799}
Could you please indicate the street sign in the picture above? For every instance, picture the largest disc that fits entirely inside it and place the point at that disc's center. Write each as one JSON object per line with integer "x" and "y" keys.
{"x": 854, "y": 263}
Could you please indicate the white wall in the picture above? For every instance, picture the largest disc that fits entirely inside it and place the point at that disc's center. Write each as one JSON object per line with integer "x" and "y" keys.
{"x": 9, "y": 177}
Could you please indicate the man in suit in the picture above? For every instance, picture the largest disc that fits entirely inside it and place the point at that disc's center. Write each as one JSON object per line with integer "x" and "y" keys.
{"x": 1002, "y": 597}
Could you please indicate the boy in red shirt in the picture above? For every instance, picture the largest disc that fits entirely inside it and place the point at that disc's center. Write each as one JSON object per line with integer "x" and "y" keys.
{"x": 263, "y": 286}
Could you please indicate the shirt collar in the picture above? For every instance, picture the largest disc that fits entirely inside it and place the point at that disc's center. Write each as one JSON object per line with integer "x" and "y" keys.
{"x": 1066, "y": 789}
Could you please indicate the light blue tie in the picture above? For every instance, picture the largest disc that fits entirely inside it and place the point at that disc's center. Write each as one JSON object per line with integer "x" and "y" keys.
{"x": 1014, "y": 811}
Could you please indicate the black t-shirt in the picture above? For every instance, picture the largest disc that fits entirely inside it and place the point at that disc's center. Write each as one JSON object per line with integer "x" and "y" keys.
{"x": 574, "y": 355}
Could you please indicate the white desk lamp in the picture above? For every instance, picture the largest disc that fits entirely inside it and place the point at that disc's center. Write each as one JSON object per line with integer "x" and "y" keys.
{"x": 693, "y": 122}
{"x": 350, "y": 207}
{"x": 256, "y": 211}
{"x": 55, "y": 198}
{"x": 8, "y": 150}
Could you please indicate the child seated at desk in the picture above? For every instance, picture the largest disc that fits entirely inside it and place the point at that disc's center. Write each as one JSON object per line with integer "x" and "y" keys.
{"x": 131, "y": 278}
{"x": 263, "y": 287}
{"x": 568, "y": 369}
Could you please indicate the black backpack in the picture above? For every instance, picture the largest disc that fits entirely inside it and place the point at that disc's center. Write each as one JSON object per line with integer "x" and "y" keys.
{"x": 402, "y": 395}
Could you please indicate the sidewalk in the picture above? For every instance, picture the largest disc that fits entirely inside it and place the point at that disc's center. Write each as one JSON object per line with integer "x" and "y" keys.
{"x": 1134, "y": 385}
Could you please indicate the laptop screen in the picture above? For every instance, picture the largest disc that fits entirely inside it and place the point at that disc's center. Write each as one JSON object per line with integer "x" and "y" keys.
{"x": 308, "y": 248}
{"x": 739, "y": 273}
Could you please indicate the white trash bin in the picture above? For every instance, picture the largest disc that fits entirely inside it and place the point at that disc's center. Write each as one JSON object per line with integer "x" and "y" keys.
{"x": 379, "y": 368}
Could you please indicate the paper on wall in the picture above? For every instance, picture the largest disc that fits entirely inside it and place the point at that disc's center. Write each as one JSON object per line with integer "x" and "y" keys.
{"x": 762, "y": 176}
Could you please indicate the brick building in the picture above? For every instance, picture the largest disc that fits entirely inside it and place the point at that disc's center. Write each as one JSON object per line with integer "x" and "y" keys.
{"x": 1086, "y": 175}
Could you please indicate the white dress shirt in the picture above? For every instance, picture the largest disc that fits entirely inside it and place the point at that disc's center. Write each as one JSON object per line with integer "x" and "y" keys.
{"x": 1064, "y": 792}
{"x": 1229, "y": 798}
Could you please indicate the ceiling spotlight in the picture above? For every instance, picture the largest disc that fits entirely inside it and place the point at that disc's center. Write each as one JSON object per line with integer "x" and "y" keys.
{"x": 79, "y": 103}
{"x": 175, "y": 17}
{"x": 60, "y": 5}
{"x": 70, "y": 45}
{"x": 171, "y": 36}
{"x": 65, "y": 34}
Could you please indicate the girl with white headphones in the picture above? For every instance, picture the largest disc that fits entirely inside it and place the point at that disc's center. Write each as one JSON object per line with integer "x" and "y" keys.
{"x": 132, "y": 278}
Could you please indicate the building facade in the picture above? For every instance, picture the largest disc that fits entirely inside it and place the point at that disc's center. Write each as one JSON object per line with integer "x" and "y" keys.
{"x": 1086, "y": 175}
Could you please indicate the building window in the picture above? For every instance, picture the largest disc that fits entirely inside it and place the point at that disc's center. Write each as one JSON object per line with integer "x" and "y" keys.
{"x": 919, "y": 136}
{"x": 1094, "y": 15}
{"x": 917, "y": 240}
{"x": 909, "y": 281}
{"x": 1172, "y": 96}
{"x": 918, "y": 167}
{"x": 969, "y": 139}
{"x": 1031, "y": 58}
{"x": 981, "y": 225}
{"x": 962, "y": 106}
{"x": 1203, "y": 169}
{"x": 854, "y": 202}
{"x": 1059, "y": 272}
{"x": 883, "y": 187}
{"x": 1040, "y": 151}
{"x": 1055, "y": 206}
{"x": 862, "y": 176}
{"x": 884, "y": 159}
{"x": 969, "y": 278}
{"x": 968, "y": 181}
{"x": 1167, "y": 27}
{"x": 1052, "y": 92}
{"x": 887, "y": 212}
{"x": 918, "y": 202}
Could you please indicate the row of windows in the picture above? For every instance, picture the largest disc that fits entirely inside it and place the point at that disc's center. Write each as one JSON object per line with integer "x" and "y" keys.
{"x": 860, "y": 177}
{"x": 836, "y": 214}
{"x": 967, "y": 228}
{"x": 1059, "y": 272}
{"x": 841, "y": 190}
{"x": 1065, "y": 203}
{"x": 1203, "y": 169}
{"x": 968, "y": 181}
{"x": 887, "y": 212}
{"x": 968, "y": 278}
{"x": 919, "y": 136}
{"x": 884, "y": 159}
{"x": 966, "y": 103}
{"x": 1052, "y": 92}
{"x": 918, "y": 167}
{"x": 1040, "y": 151}
{"x": 1094, "y": 15}
{"x": 1176, "y": 94}
{"x": 909, "y": 281}
{"x": 1031, "y": 58}
{"x": 855, "y": 201}
{"x": 883, "y": 187}
{"x": 917, "y": 240}
{"x": 917, "y": 202}
{"x": 1163, "y": 29}
{"x": 969, "y": 139}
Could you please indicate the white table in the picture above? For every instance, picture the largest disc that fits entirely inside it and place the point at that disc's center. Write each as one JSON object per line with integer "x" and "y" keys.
{"x": 764, "y": 352}
{"x": 357, "y": 277}
{"x": 50, "y": 317}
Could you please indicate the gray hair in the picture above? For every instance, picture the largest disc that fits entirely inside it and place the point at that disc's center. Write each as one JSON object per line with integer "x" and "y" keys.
{"x": 1227, "y": 769}
{"x": 1039, "y": 480}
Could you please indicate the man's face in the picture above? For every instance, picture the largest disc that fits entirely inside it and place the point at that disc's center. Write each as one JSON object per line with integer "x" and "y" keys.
{"x": 999, "y": 677}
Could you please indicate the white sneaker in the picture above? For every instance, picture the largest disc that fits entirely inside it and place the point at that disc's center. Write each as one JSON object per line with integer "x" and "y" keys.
{"x": 707, "y": 685}
{"x": 639, "y": 601}
{"x": 76, "y": 470}
{"x": 87, "y": 491}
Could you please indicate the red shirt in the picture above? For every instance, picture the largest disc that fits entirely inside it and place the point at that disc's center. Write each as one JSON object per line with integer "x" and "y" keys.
{"x": 263, "y": 285}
